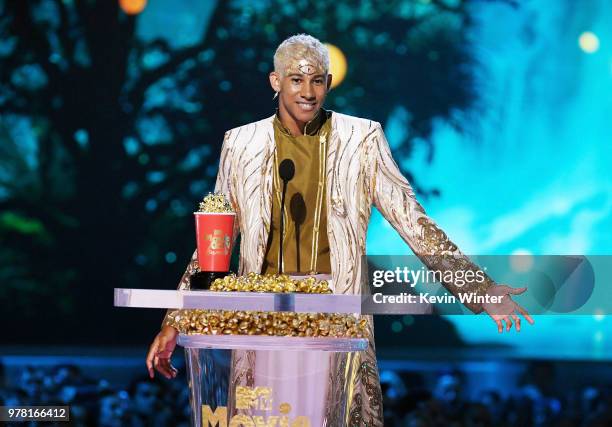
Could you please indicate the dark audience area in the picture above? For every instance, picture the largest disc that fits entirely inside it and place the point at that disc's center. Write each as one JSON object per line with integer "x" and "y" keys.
{"x": 409, "y": 403}
{"x": 96, "y": 402}
{"x": 408, "y": 400}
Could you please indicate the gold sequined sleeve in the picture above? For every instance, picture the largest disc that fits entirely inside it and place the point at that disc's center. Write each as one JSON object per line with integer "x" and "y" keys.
{"x": 396, "y": 201}
{"x": 223, "y": 185}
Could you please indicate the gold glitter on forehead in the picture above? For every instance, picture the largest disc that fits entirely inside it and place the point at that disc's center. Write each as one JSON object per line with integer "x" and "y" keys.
{"x": 304, "y": 66}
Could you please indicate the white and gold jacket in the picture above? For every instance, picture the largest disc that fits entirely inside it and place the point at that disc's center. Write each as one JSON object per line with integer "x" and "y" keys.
{"x": 360, "y": 172}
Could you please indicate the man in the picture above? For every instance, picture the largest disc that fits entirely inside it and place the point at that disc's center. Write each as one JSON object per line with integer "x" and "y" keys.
{"x": 343, "y": 166}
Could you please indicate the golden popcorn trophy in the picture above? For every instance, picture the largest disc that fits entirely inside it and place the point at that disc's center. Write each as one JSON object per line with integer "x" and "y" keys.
{"x": 286, "y": 358}
{"x": 214, "y": 224}
{"x": 260, "y": 350}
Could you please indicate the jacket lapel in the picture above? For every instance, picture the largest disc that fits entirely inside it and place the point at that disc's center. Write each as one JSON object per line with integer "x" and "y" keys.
{"x": 335, "y": 201}
{"x": 266, "y": 189}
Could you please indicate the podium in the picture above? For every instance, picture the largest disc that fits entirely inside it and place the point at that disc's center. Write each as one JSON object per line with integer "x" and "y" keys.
{"x": 264, "y": 380}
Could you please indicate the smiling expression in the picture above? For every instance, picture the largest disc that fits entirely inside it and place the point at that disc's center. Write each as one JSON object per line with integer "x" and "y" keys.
{"x": 302, "y": 89}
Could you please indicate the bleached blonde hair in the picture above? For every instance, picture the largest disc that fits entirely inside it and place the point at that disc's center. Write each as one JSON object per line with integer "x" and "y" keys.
{"x": 301, "y": 46}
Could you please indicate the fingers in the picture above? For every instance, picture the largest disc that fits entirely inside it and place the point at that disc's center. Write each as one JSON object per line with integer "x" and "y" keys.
{"x": 507, "y": 320}
{"x": 156, "y": 363}
{"x": 516, "y": 291}
{"x": 500, "y": 328}
{"x": 164, "y": 355}
{"x": 517, "y": 322}
{"x": 508, "y": 323}
{"x": 170, "y": 370}
{"x": 164, "y": 367}
{"x": 150, "y": 357}
{"x": 160, "y": 366}
{"x": 525, "y": 314}
{"x": 158, "y": 359}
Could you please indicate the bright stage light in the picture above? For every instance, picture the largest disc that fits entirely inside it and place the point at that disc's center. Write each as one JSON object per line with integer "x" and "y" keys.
{"x": 132, "y": 7}
{"x": 337, "y": 64}
{"x": 588, "y": 42}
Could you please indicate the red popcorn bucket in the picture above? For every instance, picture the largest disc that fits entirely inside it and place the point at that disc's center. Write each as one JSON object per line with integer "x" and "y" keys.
{"x": 214, "y": 238}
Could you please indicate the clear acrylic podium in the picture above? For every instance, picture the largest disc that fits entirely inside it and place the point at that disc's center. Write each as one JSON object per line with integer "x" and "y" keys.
{"x": 263, "y": 380}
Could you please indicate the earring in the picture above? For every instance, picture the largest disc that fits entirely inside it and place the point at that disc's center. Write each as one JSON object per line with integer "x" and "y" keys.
{"x": 275, "y": 95}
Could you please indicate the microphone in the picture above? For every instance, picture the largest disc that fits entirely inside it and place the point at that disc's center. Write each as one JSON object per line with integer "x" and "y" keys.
{"x": 286, "y": 171}
{"x": 297, "y": 208}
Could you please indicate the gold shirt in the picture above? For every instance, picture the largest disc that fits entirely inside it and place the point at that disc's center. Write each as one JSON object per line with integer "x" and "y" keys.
{"x": 305, "y": 243}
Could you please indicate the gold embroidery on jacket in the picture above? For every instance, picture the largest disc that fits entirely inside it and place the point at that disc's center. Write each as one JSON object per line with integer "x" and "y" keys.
{"x": 440, "y": 254}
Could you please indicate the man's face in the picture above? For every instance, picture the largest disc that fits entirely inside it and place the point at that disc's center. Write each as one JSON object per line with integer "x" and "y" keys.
{"x": 302, "y": 90}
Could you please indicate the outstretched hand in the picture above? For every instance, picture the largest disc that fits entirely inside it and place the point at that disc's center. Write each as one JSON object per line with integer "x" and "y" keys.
{"x": 507, "y": 310}
{"x": 160, "y": 353}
